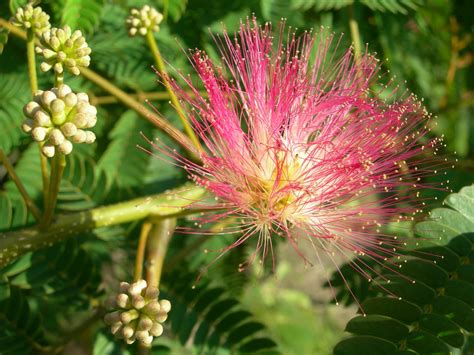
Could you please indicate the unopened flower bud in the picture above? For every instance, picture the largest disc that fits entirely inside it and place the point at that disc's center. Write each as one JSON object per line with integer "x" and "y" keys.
{"x": 151, "y": 292}
{"x": 48, "y": 150}
{"x": 153, "y": 308}
{"x": 128, "y": 316}
{"x": 81, "y": 96}
{"x": 79, "y": 137}
{"x": 156, "y": 330}
{"x": 62, "y": 49}
{"x": 70, "y": 99}
{"x": 116, "y": 328}
{"x": 143, "y": 20}
{"x": 30, "y": 108}
{"x": 55, "y": 118}
{"x": 144, "y": 337}
{"x": 127, "y": 332}
{"x": 137, "y": 287}
{"x": 112, "y": 318}
{"x": 57, "y": 106}
{"x": 145, "y": 323}
{"x": 80, "y": 120}
{"x": 138, "y": 301}
{"x": 139, "y": 312}
{"x": 30, "y": 17}
{"x": 39, "y": 134}
{"x": 124, "y": 286}
{"x": 56, "y": 137}
{"x": 90, "y": 137}
{"x": 42, "y": 118}
{"x": 27, "y": 125}
{"x": 65, "y": 147}
{"x": 47, "y": 97}
{"x": 69, "y": 129}
{"x": 165, "y": 305}
{"x": 161, "y": 317}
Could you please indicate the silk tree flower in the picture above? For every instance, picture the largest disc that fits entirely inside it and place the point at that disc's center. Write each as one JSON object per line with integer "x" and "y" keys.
{"x": 304, "y": 149}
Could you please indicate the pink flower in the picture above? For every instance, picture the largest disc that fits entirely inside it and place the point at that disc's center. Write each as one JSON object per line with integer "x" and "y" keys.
{"x": 305, "y": 152}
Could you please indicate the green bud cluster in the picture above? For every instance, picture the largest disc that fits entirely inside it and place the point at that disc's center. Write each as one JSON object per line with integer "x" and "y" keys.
{"x": 31, "y": 17}
{"x": 143, "y": 20}
{"x": 59, "y": 118}
{"x": 136, "y": 314}
{"x": 63, "y": 49}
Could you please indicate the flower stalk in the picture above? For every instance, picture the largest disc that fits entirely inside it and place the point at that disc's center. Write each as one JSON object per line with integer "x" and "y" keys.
{"x": 30, "y": 52}
{"x": 145, "y": 230}
{"x": 150, "y": 39}
{"x": 57, "y": 169}
{"x": 355, "y": 35}
{"x": 157, "y": 244}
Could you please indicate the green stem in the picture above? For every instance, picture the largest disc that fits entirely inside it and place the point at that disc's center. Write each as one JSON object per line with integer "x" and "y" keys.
{"x": 58, "y": 79}
{"x": 57, "y": 170}
{"x": 144, "y": 232}
{"x": 174, "y": 99}
{"x": 30, "y": 52}
{"x": 159, "y": 235}
{"x": 28, "y": 201}
{"x": 156, "y": 247}
{"x": 355, "y": 35}
{"x": 130, "y": 102}
{"x": 74, "y": 224}
{"x": 122, "y": 96}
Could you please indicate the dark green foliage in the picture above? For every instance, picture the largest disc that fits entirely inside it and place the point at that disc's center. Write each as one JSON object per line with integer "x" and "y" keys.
{"x": 210, "y": 318}
{"x": 21, "y": 330}
{"x": 81, "y": 14}
{"x": 3, "y": 39}
{"x": 436, "y": 308}
{"x": 54, "y": 287}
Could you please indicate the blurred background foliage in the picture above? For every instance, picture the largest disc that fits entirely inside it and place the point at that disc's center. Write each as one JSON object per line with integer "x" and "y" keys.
{"x": 427, "y": 46}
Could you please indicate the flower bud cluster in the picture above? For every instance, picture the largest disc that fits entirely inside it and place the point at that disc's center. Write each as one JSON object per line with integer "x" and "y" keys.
{"x": 143, "y": 20}
{"x": 32, "y": 17}
{"x": 59, "y": 118}
{"x": 63, "y": 49}
{"x": 136, "y": 313}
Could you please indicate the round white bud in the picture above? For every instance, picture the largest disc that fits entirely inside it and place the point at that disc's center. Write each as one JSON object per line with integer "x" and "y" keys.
{"x": 65, "y": 147}
{"x": 165, "y": 305}
{"x": 39, "y": 133}
{"x": 30, "y": 108}
{"x": 56, "y": 137}
{"x": 156, "y": 330}
{"x": 90, "y": 137}
{"x": 48, "y": 150}
{"x": 69, "y": 129}
{"x": 79, "y": 137}
{"x": 27, "y": 125}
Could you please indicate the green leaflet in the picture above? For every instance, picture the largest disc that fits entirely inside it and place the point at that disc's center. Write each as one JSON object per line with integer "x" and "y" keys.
{"x": 210, "y": 318}
{"x": 123, "y": 162}
{"x": 14, "y": 93}
{"x": 89, "y": 11}
{"x": 21, "y": 330}
{"x": 394, "y": 6}
{"x": 437, "y": 299}
{"x": 82, "y": 186}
